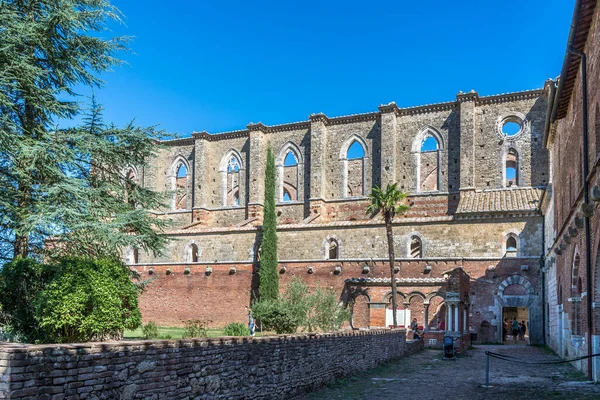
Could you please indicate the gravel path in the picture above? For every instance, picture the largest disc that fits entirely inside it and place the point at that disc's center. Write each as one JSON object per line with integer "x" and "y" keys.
{"x": 425, "y": 376}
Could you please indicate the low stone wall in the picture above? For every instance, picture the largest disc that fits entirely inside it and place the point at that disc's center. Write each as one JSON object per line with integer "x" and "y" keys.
{"x": 224, "y": 368}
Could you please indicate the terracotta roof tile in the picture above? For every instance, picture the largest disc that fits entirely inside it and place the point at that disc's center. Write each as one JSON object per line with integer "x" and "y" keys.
{"x": 500, "y": 200}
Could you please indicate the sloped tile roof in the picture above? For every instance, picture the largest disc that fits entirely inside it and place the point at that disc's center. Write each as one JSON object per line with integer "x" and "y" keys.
{"x": 500, "y": 200}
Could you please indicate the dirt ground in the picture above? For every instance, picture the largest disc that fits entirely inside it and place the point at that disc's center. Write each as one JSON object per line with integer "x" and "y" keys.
{"x": 425, "y": 376}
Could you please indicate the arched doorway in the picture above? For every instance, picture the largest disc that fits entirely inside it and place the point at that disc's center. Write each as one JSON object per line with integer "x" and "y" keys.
{"x": 517, "y": 299}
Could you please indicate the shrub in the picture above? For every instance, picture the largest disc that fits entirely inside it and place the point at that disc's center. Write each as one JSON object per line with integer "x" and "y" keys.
{"x": 88, "y": 299}
{"x": 76, "y": 299}
{"x": 21, "y": 281}
{"x": 165, "y": 337}
{"x": 236, "y": 329}
{"x": 150, "y": 330}
{"x": 320, "y": 310}
{"x": 326, "y": 313}
{"x": 196, "y": 328}
{"x": 286, "y": 314}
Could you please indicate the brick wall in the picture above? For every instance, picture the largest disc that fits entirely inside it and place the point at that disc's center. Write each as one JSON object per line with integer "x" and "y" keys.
{"x": 225, "y": 368}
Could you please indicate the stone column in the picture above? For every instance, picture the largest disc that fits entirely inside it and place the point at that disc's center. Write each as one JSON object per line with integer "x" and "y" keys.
{"x": 200, "y": 176}
{"x": 256, "y": 171}
{"x": 449, "y": 317}
{"x": 426, "y": 324}
{"x": 465, "y": 319}
{"x": 318, "y": 167}
{"x": 389, "y": 126}
{"x": 456, "y": 318}
{"x": 468, "y": 125}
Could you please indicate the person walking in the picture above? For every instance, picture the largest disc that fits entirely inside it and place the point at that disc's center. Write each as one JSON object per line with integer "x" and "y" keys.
{"x": 515, "y": 330}
{"x": 504, "y": 329}
{"x": 523, "y": 330}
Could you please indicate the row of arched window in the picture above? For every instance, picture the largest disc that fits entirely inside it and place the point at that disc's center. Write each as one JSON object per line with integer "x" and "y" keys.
{"x": 332, "y": 249}
{"x": 353, "y": 155}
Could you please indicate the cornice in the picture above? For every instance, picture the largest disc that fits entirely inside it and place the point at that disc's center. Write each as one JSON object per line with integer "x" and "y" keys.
{"x": 506, "y": 97}
{"x": 363, "y": 117}
{"x": 428, "y": 108}
{"x": 178, "y": 142}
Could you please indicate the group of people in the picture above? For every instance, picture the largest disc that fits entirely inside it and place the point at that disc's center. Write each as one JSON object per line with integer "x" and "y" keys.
{"x": 516, "y": 328}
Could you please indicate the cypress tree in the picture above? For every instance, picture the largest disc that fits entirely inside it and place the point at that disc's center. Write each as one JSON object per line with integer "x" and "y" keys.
{"x": 66, "y": 184}
{"x": 268, "y": 274}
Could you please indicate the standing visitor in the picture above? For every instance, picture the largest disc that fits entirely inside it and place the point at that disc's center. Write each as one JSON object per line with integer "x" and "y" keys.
{"x": 251, "y": 324}
{"x": 523, "y": 330}
{"x": 515, "y": 330}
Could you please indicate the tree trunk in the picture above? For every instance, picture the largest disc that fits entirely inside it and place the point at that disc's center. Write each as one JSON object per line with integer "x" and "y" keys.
{"x": 390, "y": 240}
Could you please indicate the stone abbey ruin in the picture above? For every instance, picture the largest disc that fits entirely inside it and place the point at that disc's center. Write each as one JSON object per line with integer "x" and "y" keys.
{"x": 468, "y": 250}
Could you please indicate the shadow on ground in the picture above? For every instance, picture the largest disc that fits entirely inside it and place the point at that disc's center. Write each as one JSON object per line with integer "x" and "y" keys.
{"x": 425, "y": 376}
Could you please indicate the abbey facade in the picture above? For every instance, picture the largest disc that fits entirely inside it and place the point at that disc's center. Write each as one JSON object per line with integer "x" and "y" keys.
{"x": 468, "y": 250}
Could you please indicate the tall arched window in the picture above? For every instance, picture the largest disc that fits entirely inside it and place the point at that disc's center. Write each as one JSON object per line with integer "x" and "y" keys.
{"x": 289, "y": 173}
{"x": 231, "y": 170}
{"x": 511, "y": 168}
{"x": 427, "y": 148}
{"x": 429, "y": 164}
{"x": 353, "y": 155}
{"x": 178, "y": 182}
{"x": 181, "y": 188}
{"x": 416, "y": 247}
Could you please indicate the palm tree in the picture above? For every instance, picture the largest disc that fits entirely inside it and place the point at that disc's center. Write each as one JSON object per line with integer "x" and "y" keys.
{"x": 389, "y": 202}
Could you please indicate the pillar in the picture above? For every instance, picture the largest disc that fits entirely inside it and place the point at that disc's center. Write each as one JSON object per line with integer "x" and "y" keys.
{"x": 389, "y": 126}
{"x": 426, "y": 324}
{"x": 449, "y": 317}
{"x": 465, "y": 319}
{"x": 318, "y": 167}
{"x": 455, "y": 318}
{"x": 256, "y": 171}
{"x": 467, "y": 138}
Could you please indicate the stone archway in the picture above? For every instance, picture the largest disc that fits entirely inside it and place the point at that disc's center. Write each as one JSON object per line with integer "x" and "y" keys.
{"x": 517, "y": 292}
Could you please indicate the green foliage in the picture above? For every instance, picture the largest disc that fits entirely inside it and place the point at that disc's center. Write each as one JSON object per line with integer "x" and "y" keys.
{"x": 74, "y": 300}
{"x": 297, "y": 308}
{"x": 21, "y": 282}
{"x": 268, "y": 275}
{"x": 150, "y": 330}
{"x": 69, "y": 185}
{"x": 326, "y": 313}
{"x": 388, "y": 202}
{"x": 88, "y": 299}
{"x": 236, "y": 329}
{"x": 196, "y": 328}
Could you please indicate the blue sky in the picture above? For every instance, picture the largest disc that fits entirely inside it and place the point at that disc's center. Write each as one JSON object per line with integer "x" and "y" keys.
{"x": 216, "y": 66}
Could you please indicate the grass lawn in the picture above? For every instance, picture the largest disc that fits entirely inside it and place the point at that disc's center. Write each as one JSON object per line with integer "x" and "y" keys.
{"x": 177, "y": 333}
{"x": 174, "y": 332}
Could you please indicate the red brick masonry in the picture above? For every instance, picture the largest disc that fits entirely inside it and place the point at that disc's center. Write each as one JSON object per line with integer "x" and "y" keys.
{"x": 275, "y": 367}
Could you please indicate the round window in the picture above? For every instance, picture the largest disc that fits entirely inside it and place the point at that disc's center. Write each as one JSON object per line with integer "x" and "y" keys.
{"x": 511, "y": 128}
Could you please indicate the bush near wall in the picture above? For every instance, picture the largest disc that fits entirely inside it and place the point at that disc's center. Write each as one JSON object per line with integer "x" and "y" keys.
{"x": 72, "y": 300}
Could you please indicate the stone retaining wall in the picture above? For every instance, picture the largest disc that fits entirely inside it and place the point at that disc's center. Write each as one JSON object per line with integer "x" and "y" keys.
{"x": 220, "y": 368}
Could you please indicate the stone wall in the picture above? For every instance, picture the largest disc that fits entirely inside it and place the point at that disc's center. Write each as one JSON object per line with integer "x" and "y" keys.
{"x": 225, "y": 368}
{"x": 441, "y": 238}
{"x": 471, "y": 152}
